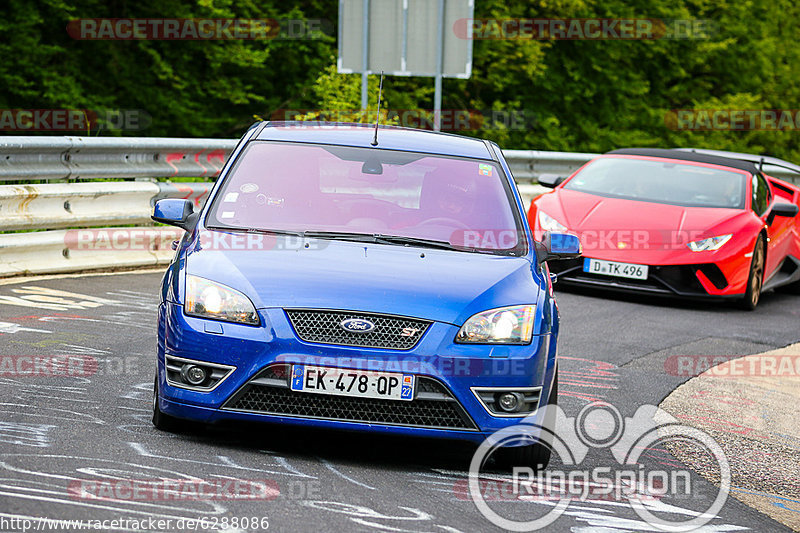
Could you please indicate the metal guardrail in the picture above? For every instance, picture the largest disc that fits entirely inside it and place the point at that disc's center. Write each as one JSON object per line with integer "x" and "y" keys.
{"x": 98, "y": 205}
{"x": 71, "y": 158}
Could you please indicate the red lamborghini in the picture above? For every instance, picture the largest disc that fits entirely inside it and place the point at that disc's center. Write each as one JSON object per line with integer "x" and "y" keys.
{"x": 688, "y": 223}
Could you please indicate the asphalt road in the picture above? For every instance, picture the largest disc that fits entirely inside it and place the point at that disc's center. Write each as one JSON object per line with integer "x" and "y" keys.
{"x": 56, "y": 431}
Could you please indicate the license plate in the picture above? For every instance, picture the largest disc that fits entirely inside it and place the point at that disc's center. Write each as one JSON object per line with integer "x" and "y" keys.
{"x": 613, "y": 268}
{"x": 345, "y": 382}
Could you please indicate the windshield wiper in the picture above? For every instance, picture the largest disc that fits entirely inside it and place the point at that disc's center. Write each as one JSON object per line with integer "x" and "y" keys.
{"x": 381, "y": 238}
{"x": 265, "y": 231}
{"x": 375, "y": 238}
{"x": 340, "y": 235}
{"x": 414, "y": 241}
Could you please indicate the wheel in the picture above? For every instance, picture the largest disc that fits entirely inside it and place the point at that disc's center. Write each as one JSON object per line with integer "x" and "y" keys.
{"x": 756, "y": 278}
{"x": 536, "y": 456}
{"x": 161, "y": 420}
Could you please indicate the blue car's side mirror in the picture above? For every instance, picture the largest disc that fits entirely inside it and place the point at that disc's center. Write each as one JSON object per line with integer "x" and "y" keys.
{"x": 176, "y": 212}
{"x": 555, "y": 246}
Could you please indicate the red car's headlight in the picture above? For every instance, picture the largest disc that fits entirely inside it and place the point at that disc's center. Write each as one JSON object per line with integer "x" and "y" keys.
{"x": 709, "y": 244}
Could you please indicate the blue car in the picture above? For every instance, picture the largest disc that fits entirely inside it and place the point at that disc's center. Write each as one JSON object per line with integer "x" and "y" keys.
{"x": 350, "y": 278}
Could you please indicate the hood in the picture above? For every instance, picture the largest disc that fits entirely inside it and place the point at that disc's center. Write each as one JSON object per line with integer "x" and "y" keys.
{"x": 609, "y": 226}
{"x": 440, "y": 285}
{"x": 645, "y": 225}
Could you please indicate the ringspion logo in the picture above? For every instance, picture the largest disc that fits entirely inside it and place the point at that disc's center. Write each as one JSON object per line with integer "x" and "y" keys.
{"x": 623, "y": 478}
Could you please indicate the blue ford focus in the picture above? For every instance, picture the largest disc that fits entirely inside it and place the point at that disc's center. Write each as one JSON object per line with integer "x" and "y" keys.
{"x": 334, "y": 281}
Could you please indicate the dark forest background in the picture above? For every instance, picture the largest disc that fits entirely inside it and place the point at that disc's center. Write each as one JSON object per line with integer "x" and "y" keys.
{"x": 577, "y": 95}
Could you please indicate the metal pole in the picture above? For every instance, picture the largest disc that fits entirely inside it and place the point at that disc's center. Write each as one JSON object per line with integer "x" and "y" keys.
{"x": 437, "y": 94}
{"x": 365, "y": 57}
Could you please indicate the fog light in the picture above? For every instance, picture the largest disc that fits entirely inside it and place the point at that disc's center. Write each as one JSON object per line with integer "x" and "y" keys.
{"x": 508, "y": 402}
{"x": 194, "y": 375}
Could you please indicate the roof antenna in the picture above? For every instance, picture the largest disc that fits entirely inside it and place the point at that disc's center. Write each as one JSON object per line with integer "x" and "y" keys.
{"x": 761, "y": 165}
{"x": 378, "y": 118}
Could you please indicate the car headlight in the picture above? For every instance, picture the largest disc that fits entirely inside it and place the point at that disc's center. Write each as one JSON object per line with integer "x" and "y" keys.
{"x": 712, "y": 243}
{"x": 506, "y": 325}
{"x": 208, "y": 299}
{"x": 548, "y": 223}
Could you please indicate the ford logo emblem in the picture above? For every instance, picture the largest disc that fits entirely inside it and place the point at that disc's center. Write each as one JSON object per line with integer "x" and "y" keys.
{"x": 356, "y": 325}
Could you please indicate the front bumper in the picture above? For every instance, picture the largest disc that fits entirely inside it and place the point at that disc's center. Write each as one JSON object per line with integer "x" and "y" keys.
{"x": 445, "y": 405}
{"x": 704, "y": 280}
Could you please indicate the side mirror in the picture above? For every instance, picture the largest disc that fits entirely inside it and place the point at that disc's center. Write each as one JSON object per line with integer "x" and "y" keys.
{"x": 550, "y": 180}
{"x": 176, "y": 212}
{"x": 782, "y": 210}
{"x": 558, "y": 246}
{"x": 785, "y": 210}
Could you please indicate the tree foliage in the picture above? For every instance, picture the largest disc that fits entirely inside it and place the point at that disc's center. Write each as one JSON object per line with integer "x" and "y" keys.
{"x": 577, "y": 95}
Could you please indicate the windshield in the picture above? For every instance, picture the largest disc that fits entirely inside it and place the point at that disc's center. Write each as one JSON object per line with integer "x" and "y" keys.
{"x": 664, "y": 181}
{"x": 294, "y": 187}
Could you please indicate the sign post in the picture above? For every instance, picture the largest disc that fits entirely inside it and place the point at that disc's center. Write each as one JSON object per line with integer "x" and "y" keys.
{"x": 397, "y": 37}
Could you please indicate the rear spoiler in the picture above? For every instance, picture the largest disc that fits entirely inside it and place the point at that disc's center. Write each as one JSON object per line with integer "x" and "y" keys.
{"x": 759, "y": 160}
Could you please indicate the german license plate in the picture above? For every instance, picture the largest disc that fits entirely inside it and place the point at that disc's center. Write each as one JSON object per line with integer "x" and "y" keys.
{"x": 346, "y": 382}
{"x": 613, "y": 268}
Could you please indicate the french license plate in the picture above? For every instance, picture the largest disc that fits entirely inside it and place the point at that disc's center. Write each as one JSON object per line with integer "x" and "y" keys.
{"x": 613, "y": 268}
{"x": 346, "y": 382}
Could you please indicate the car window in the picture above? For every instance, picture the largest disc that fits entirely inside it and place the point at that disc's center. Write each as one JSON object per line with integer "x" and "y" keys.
{"x": 761, "y": 194}
{"x": 305, "y": 187}
{"x": 662, "y": 181}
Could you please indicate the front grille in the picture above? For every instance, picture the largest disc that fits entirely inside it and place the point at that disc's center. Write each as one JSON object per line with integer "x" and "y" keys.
{"x": 390, "y": 332}
{"x": 269, "y": 393}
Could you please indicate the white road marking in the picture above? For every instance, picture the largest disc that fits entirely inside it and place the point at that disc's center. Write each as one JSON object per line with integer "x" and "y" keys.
{"x": 330, "y": 467}
{"x": 11, "y": 327}
{"x": 35, "y": 435}
{"x": 141, "y": 450}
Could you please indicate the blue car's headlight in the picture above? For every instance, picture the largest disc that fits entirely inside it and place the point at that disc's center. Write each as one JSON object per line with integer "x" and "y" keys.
{"x": 505, "y": 325}
{"x": 208, "y": 299}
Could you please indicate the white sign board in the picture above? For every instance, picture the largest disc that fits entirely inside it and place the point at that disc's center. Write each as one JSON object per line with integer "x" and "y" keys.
{"x": 405, "y": 37}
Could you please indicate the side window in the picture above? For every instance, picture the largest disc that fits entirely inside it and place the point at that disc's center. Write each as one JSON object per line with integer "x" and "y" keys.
{"x": 761, "y": 194}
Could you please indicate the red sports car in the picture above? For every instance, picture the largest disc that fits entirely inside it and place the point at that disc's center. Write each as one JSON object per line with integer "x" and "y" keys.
{"x": 688, "y": 223}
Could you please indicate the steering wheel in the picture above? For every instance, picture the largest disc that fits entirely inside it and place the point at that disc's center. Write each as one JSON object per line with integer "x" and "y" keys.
{"x": 443, "y": 221}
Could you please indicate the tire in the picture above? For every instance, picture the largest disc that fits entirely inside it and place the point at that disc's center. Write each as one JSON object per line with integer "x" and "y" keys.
{"x": 161, "y": 420}
{"x": 536, "y": 456}
{"x": 755, "y": 279}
